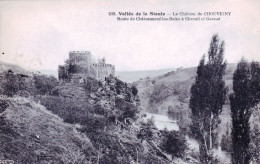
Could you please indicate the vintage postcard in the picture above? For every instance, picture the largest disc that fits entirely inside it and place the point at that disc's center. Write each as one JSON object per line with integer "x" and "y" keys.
{"x": 137, "y": 81}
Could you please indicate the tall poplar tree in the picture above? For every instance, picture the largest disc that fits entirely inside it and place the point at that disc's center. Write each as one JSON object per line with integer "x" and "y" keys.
{"x": 207, "y": 98}
{"x": 246, "y": 87}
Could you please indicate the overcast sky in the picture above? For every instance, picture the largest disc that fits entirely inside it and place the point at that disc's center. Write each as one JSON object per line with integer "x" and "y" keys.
{"x": 40, "y": 34}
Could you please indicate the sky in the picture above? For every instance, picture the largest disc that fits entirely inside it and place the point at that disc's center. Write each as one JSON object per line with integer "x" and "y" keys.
{"x": 39, "y": 34}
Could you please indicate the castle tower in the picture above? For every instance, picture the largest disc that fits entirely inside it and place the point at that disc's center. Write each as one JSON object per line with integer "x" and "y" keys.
{"x": 81, "y": 65}
{"x": 80, "y": 57}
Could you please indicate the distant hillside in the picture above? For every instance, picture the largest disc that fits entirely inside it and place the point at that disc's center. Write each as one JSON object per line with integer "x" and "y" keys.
{"x": 164, "y": 91}
{"x": 14, "y": 68}
{"x": 126, "y": 76}
{"x": 137, "y": 75}
{"x": 49, "y": 72}
{"x": 169, "y": 94}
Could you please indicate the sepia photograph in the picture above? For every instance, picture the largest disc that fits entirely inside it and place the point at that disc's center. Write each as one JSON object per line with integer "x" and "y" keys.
{"x": 129, "y": 82}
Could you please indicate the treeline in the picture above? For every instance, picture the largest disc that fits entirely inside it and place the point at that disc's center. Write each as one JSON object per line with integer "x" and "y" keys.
{"x": 208, "y": 95}
{"x": 17, "y": 83}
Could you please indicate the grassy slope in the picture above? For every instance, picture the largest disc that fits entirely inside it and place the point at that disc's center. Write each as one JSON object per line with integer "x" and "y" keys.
{"x": 30, "y": 134}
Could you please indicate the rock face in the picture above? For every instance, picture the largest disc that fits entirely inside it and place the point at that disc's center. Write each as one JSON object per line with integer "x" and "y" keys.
{"x": 112, "y": 94}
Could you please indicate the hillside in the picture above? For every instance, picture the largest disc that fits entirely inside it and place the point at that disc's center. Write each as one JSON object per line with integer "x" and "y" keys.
{"x": 31, "y": 134}
{"x": 169, "y": 95}
{"x": 110, "y": 116}
{"x": 131, "y": 76}
{"x": 14, "y": 68}
{"x": 172, "y": 88}
{"x": 92, "y": 122}
{"x": 126, "y": 76}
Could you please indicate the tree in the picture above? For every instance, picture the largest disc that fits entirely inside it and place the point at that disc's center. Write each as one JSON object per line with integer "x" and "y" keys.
{"x": 10, "y": 83}
{"x": 146, "y": 130}
{"x": 246, "y": 94}
{"x": 208, "y": 95}
{"x": 134, "y": 90}
{"x": 174, "y": 143}
{"x": 255, "y": 134}
{"x": 44, "y": 84}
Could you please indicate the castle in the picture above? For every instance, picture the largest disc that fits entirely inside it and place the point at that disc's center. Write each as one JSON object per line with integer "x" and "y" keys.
{"x": 81, "y": 65}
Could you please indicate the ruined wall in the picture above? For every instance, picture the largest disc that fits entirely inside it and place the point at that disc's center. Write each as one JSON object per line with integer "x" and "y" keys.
{"x": 80, "y": 65}
{"x": 103, "y": 70}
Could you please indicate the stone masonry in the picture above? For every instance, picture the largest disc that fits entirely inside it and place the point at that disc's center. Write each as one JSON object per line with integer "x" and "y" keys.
{"x": 81, "y": 65}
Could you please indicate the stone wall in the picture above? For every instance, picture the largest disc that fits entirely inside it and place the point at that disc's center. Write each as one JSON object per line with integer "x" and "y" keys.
{"x": 80, "y": 57}
{"x": 103, "y": 70}
{"x": 81, "y": 65}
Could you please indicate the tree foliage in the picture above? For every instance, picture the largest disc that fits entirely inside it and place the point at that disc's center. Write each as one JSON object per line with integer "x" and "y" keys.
{"x": 44, "y": 84}
{"x": 246, "y": 87}
{"x": 226, "y": 140}
{"x": 146, "y": 130}
{"x": 207, "y": 98}
{"x": 10, "y": 83}
{"x": 174, "y": 143}
{"x": 255, "y": 135}
{"x": 134, "y": 90}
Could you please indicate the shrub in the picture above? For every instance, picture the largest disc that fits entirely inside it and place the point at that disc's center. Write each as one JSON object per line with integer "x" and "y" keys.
{"x": 146, "y": 130}
{"x": 44, "y": 84}
{"x": 72, "y": 111}
{"x": 226, "y": 140}
{"x": 10, "y": 83}
{"x": 91, "y": 84}
{"x": 173, "y": 143}
{"x": 134, "y": 90}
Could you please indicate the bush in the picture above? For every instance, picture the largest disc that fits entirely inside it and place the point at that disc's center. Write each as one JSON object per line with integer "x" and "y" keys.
{"x": 173, "y": 143}
{"x": 134, "y": 90}
{"x": 72, "y": 111}
{"x": 44, "y": 84}
{"x": 226, "y": 143}
{"x": 91, "y": 84}
{"x": 226, "y": 140}
{"x": 10, "y": 83}
{"x": 146, "y": 130}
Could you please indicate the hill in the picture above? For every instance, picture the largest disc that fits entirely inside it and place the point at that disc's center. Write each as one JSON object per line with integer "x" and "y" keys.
{"x": 31, "y": 134}
{"x": 131, "y": 76}
{"x": 14, "y": 68}
{"x": 82, "y": 122}
{"x": 158, "y": 93}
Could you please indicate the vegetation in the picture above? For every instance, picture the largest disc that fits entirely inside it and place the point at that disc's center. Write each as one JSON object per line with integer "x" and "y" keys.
{"x": 174, "y": 143}
{"x": 246, "y": 86}
{"x": 226, "y": 140}
{"x": 207, "y": 98}
{"x": 100, "y": 121}
{"x": 255, "y": 134}
{"x": 10, "y": 83}
{"x": 134, "y": 90}
{"x": 44, "y": 84}
{"x": 146, "y": 130}
{"x": 31, "y": 134}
